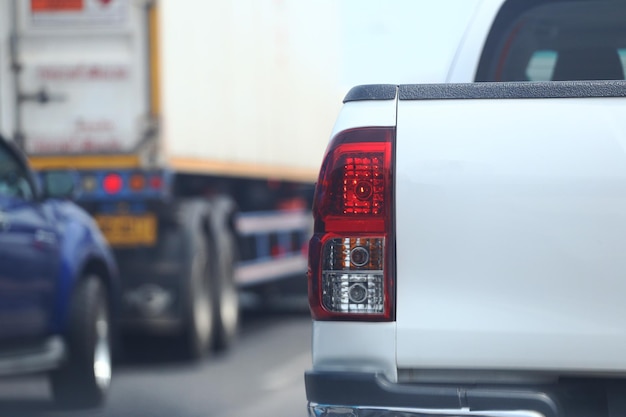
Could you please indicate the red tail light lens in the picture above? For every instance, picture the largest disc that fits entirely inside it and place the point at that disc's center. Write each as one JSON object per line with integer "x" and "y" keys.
{"x": 351, "y": 255}
{"x": 156, "y": 182}
{"x": 112, "y": 183}
{"x": 137, "y": 182}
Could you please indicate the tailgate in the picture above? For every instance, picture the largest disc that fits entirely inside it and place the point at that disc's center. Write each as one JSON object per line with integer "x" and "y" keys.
{"x": 511, "y": 227}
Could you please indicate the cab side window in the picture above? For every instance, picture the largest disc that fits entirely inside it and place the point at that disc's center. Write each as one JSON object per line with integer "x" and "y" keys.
{"x": 14, "y": 181}
{"x": 556, "y": 41}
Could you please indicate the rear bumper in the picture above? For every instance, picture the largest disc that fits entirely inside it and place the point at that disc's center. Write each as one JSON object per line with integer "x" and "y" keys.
{"x": 317, "y": 410}
{"x": 369, "y": 395}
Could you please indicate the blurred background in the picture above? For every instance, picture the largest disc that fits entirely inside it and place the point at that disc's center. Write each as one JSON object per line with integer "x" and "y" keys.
{"x": 192, "y": 133}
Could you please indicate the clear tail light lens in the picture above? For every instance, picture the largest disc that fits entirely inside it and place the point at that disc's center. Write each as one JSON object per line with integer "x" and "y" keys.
{"x": 352, "y": 275}
{"x": 351, "y": 255}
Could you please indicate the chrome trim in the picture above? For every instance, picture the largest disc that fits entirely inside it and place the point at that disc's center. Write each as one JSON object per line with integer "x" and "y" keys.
{"x": 322, "y": 410}
{"x": 44, "y": 358}
{"x": 102, "y": 362}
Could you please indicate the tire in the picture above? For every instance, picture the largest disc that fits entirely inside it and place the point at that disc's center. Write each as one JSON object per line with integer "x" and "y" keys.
{"x": 85, "y": 378}
{"x": 198, "y": 310}
{"x": 226, "y": 312}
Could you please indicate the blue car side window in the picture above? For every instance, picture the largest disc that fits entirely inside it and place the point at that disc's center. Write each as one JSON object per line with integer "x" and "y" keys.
{"x": 13, "y": 178}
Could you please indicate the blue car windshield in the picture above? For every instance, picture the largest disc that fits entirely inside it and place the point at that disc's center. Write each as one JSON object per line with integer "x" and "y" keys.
{"x": 13, "y": 179}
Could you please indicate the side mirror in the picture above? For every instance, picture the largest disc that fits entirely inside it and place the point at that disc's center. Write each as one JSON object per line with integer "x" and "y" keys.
{"x": 59, "y": 184}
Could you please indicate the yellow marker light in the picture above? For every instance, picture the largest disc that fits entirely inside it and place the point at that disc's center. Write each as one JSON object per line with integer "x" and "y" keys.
{"x": 89, "y": 183}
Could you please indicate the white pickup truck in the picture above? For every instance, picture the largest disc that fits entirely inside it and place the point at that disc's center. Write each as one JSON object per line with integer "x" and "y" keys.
{"x": 469, "y": 255}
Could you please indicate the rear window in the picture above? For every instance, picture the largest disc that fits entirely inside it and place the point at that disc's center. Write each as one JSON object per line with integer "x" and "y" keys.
{"x": 541, "y": 65}
{"x": 558, "y": 41}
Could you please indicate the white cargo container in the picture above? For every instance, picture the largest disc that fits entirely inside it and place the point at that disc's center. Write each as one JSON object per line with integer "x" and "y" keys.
{"x": 196, "y": 129}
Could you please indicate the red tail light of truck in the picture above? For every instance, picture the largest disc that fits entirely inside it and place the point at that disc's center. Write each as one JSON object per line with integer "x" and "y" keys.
{"x": 352, "y": 253}
{"x": 112, "y": 183}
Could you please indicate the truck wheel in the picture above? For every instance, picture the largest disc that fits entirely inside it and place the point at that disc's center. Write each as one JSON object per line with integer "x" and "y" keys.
{"x": 84, "y": 379}
{"x": 227, "y": 295}
{"x": 198, "y": 321}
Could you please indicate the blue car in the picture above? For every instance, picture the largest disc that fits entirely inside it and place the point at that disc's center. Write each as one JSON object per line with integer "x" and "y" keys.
{"x": 58, "y": 285}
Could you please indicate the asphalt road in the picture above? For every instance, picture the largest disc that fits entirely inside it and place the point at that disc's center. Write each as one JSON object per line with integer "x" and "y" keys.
{"x": 261, "y": 376}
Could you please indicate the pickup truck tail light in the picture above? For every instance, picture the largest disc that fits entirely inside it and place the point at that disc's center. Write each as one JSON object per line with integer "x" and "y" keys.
{"x": 352, "y": 253}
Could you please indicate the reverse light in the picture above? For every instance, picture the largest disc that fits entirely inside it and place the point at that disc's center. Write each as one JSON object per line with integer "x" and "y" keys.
{"x": 351, "y": 255}
{"x": 112, "y": 183}
{"x": 352, "y": 275}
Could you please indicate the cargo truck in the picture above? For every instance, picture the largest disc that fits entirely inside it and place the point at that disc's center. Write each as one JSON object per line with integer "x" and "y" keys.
{"x": 179, "y": 120}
